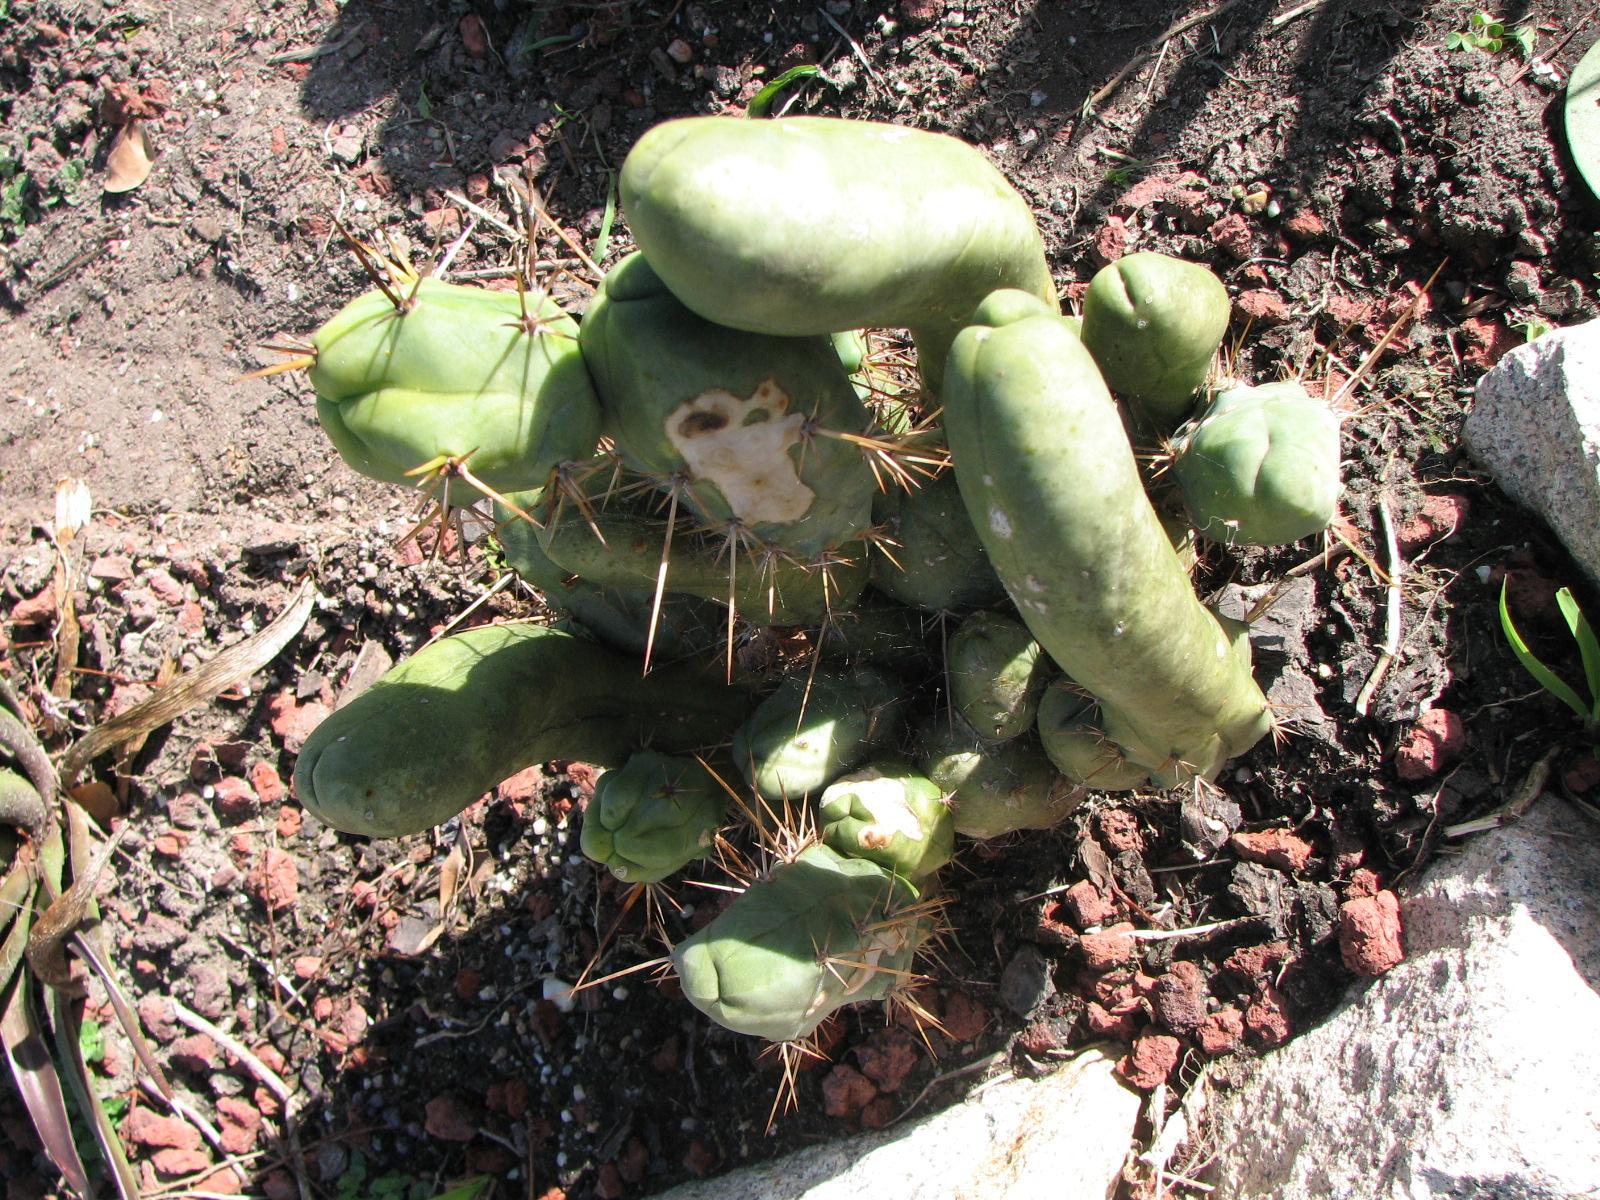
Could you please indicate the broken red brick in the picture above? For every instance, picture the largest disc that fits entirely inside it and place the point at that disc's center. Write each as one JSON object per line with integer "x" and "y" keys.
{"x": 1107, "y": 949}
{"x": 1370, "y": 938}
{"x": 1435, "y": 740}
{"x": 1487, "y": 342}
{"x": 1110, "y": 242}
{"x": 1232, "y": 234}
{"x": 274, "y": 880}
{"x": 1267, "y": 1017}
{"x": 887, "y": 1057}
{"x": 963, "y": 1018}
{"x": 1102, "y": 1022}
{"x": 1088, "y": 905}
{"x": 1263, "y": 306}
{"x": 154, "y": 1131}
{"x": 293, "y": 721}
{"x": 1303, "y": 225}
{"x": 268, "y": 784}
{"x": 846, "y": 1091}
{"x": 240, "y": 1124}
{"x": 1180, "y": 998}
{"x": 1255, "y": 963}
{"x": 1277, "y": 848}
{"x": 1221, "y": 1031}
{"x": 1152, "y": 1059}
{"x": 235, "y": 799}
{"x": 1437, "y": 518}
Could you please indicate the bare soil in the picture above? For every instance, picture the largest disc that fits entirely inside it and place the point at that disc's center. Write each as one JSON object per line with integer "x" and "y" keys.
{"x": 1335, "y": 163}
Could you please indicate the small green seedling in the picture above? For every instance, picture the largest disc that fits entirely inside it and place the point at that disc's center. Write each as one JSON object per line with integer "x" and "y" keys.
{"x": 1490, "y": 35}
{"x": 1588, "y": 648}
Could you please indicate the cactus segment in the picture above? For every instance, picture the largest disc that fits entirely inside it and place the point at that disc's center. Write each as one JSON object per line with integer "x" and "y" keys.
{"x": 994, "y": 788}
{"x": 444, "y": 726}
{"x": 878, "y": 633}
{"x": 1076, "y": 741}
{"x": 997, "y": 673}
{"x": 818, "y": 933}
{"x": 619, "y": 616}
{"x": 1050, "y": 482}
{"x": 735, "y": 416}
{"x": 1153, "y": 324}
{"x": 891, "y": 815}
{"x": 652, "y": 816}
{"x": 813, "y": 225}
{"x": 771, "y": 589}
{"x": 1260, "y": 465}
{"x": 454, "y": 372}
{"x": 811, "y": 730}
{"x": 938, "y": 561}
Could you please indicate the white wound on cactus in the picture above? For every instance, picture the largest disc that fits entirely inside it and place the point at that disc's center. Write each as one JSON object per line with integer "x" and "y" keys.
{"x": 742, "y": 446}
{"x": 1000, "y": 523}
{"x": 885, "y": 799}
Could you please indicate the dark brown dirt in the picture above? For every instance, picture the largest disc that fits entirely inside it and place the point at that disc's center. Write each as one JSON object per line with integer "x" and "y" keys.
{"x": 412, "y": 1000}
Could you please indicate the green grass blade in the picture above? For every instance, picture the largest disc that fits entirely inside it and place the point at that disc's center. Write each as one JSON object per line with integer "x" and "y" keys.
{"x": 465, "y": 1191}
{"x": 761, "y": 103}
{"x": 1545, "y": 677}
{"x": 1588, "y": 647}
{"x": 602, "y": 241}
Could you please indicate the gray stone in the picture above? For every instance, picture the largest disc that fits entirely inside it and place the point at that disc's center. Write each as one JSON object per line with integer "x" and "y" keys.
{"x": 1472, "y": 1069}
{"x": 1535, "y": 424}
{"x": 1062, "y": 1137}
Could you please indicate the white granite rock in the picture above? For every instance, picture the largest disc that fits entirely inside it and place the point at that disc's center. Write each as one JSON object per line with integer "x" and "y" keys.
{"x": 1535, "y": 424}
{"x": 1062, "y": 1137}
{"x": 1472, "y": 1069}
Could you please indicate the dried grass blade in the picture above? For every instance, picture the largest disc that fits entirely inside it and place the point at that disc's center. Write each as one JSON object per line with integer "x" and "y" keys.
{"x": 40, "y": 1086}
{"x": 193, "y": 688}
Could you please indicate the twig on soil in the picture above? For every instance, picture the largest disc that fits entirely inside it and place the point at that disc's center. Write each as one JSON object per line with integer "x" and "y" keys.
{"x": 1175, "y": 30}
{"x": 482, "y": 214}
{"x": 1282, "y": 19}
{"x": 1529, "y": 790}
{"x": 1391, "y": 640}
{"x": 268, "y": 1078}
{"x": 855, "y": 46}
{"x": 982, "y": 1064}
{"x": 1163, "y": 935}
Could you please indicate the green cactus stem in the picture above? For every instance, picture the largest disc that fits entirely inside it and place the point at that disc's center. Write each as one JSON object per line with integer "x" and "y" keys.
{"x": 739, "y": 422}
{"x": 1260, "y": 465}
{"x": 1052, "y": 488}
{"x": 448, "y": 372}
{"x": 812, "y": 225}
{"x": 818, "y": 933}
{"x": 813, "y": 728}
{"x": 888, "y": 813}
{"x": 652, "y": 816}
{"x": 1076, "y": 742}
{"x": 933, "y": 559}
{"x": 994, "y": 788}
{"x": 766, "y": 585}
{"x": 997, "y": 673}
{"x": 444, "y": 726}
{"x": 1153, "y": 324}
{"x": 619, "y": 616}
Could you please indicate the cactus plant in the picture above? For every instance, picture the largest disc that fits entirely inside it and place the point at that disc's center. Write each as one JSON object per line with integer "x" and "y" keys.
{"x": 816, "y": 225}
{"x": 445, "y": 725}
{"x": 1259, "y": 466}
{"x": 997, "y": 673}
{"x": 818, "y": 933}
{"x": 652, "y": 815}
{"x": 1152, "y": 324}
{"x": 1050, "y": 482}
{"x": 739, "y": 472}
{"x": 813, "y": 728}
{"x": 452, "y": 372}
{"x": 889, "y": 814}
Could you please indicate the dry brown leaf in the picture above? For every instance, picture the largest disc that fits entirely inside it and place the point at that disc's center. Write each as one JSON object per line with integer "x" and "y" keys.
{"x": 128, "y": 162}
{"x": 98, "y": 800}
